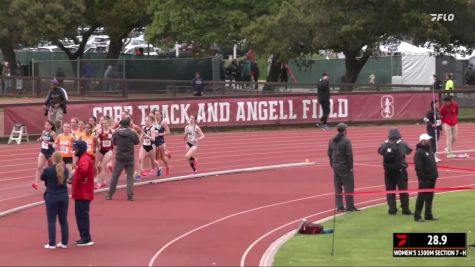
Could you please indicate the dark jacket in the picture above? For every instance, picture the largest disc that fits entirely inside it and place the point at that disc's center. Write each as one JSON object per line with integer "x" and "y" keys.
{"x": 395, "y": 136}
{"x": 437, "y": 85}
{"x": 56, "y": 96}
{"x": 425, "y": 165}
{"x": 124, "y": 140}
{"x": 51, "y": 181}
{"x": 197, "y": 86}
{"x": 340, "y": 152}
{"x": 430, "y": 117}
{"x": 323, "y": 87}
{"x": 83, "y": 181}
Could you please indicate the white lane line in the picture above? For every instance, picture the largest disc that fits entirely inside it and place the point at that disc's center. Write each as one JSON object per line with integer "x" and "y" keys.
{"x": 171, "y": 179}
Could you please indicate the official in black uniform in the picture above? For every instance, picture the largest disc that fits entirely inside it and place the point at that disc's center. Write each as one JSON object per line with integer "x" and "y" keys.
{"x": 324, "y": 100}
{"x": 426, "y": 169}
{"x": 341, "y": 160}
{"x": 394, "y": 151}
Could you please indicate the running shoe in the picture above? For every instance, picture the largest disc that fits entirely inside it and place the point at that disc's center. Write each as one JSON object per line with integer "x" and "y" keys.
{"x": 47, "y": 246}
{"x": 137, "y": 177}
{"x": 82, "y": 243}
{"x": 61, "y": 245}
{"x": 159, "y": 172}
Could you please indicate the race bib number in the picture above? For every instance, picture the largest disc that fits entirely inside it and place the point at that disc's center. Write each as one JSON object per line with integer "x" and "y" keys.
{"x": 65, "y": 149}
{"x": 44, "y": 145}
{"x": 106, "y": 143}
{"x": 147, "y": 142}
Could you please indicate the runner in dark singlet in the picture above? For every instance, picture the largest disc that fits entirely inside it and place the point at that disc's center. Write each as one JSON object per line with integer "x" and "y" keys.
{"x": 47, "y": 140}
{"x": 162, "y": 129}
{"x": 147, "y": 137}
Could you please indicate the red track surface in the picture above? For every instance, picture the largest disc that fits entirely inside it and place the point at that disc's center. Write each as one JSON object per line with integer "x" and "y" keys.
{"x": 211, "y": 220}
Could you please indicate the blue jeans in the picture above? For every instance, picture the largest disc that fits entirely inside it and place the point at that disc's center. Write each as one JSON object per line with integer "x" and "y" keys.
{"x": 57, "y": 206}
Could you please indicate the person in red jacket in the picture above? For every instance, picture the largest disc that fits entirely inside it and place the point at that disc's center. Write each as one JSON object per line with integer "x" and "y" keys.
{"x": 449, "y": 113}
{"x": 83, "y": 192}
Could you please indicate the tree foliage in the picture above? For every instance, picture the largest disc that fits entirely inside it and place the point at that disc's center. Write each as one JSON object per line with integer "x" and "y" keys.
{"x": 302, "y": 27}
{"x": 204, "y": 22}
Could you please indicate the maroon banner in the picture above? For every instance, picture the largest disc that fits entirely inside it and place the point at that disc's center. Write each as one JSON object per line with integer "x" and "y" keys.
{"x": 264, "y": 110}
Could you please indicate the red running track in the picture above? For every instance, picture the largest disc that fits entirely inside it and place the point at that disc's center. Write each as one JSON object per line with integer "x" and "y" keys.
{"x": 211, "y": 220}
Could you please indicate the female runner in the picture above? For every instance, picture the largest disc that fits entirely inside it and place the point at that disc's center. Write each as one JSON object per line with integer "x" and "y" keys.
{"x": 64, "y": 143}
{"x": 162, "y": 129}
{"x": 105, "y": 155}
{"x": 192, "y": 135}
{"x": 74, "y": 125}
{"x": 47, "y": 140}
{"x": 147, "y": 137}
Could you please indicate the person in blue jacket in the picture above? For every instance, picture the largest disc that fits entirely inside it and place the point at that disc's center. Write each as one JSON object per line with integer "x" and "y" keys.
{"x": 56, "y": 200}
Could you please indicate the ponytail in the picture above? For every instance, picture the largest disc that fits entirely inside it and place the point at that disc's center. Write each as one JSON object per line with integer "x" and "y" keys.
{"x": 60, "y": 167}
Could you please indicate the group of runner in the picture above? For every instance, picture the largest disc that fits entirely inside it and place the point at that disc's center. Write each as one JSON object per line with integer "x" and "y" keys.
{"x": 98, "y": 137}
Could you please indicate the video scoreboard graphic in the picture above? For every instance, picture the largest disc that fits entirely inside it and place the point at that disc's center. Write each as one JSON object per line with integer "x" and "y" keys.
{"x": 430, "y": 245}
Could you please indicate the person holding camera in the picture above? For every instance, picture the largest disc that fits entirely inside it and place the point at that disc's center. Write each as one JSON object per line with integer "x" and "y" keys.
{"x": 55, "y": 104}
{"x": 124, "y": 139}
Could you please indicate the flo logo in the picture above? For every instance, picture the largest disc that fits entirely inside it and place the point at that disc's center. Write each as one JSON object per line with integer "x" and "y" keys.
{"x": 387, "y": 106}
{"x": 442, "y": 17}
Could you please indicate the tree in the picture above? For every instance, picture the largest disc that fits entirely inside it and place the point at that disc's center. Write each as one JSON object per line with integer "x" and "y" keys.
{"x": 204, "y": 22}
{"x": 9, "y": 33}
{"x": 348, "y": 26}
{"x": 53, "y": 21}
{"x": 119, "y": 18}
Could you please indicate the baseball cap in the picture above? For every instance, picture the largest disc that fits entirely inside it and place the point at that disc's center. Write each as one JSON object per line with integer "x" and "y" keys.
{"x": 424, "y": 136}
{"x": 341, "y": 127}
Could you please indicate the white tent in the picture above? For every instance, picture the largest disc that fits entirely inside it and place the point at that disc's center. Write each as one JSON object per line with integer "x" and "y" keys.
{"x": 417, "y": 63}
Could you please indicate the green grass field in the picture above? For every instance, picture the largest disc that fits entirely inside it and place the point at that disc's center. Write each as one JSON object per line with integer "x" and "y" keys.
{"x": 365, "y": 238}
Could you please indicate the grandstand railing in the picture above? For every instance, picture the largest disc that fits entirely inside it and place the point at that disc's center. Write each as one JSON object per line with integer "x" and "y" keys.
{"x": 121, "y": 88}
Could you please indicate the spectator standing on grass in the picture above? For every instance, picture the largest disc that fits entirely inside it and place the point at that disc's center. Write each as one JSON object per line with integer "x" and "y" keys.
{"x": 123, "y": 140}
{"x": 426, "y": 170}
{"x": 437, "y": 85}
{"x": 60, "y": 76}
{"x": 87, "y": 72}
{"x": 246, "y": 72}
{"x": 394, "y": 151}
{"x": 83, "y": 192}
{"x": 197, "y": 85}
{"x": 324, "y": 100}
{"x": 19, "y": 81}
{"x": 434, "y": 125}
{"x": 255, "y": 74}
{"x": 340, "y": 154}
{"x": 55, "y": 104}
{"x": 449, "y": 113}
{"x": 56, "y": 201}
{"x": 6, "y": 73}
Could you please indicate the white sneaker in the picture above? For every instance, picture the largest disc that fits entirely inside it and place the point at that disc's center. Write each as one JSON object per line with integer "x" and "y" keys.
{"x": 47, "y": 246}
{"x": 61, "y": 245}
{"x": 451, "y": 156}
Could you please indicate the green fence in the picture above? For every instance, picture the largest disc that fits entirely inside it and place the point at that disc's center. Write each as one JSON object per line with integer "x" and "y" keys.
{"x": 310, "y": 71}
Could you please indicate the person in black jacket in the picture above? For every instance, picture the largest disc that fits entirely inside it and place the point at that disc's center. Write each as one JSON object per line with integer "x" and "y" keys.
{"x": 324, "y": 100}
{"x": 394, "y": 151}
{"x": 56, "y": 200}
{"x": 434, "y": 125}
{"x": 55, "y": 104}
{"x": 426, "y": 170}
{"x": 197, "y": 85}
{"x": 340, "y": 154}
